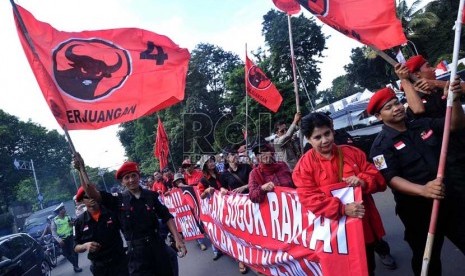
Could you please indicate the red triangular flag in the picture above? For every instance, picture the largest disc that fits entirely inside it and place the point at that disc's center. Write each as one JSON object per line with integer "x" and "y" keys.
{"x": 93, "y": 79}
{"x": 260, "y": 87}
{"x": 373, "y": 23}
{"x": 287, "y": 6}
{"x": 161, "y": 145}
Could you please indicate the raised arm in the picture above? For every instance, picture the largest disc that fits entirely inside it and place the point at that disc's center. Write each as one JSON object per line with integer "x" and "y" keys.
{"x": 90, "y": 188}
{"x": 413, "y": 99}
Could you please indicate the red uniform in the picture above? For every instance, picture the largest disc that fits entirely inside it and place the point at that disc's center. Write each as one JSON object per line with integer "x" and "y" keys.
{"x": 193, "y": 178}
{"x": 313, "y": 171}
{"x": 159, "y": 187}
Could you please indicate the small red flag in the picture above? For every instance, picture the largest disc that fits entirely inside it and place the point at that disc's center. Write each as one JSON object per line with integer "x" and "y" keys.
{"x": 93, "y": 79}
{"x": 161, "y": 145}
{"x": 260, "y": 87}
{"x": 373, "y": 23}
{"x": 288, "y": 6}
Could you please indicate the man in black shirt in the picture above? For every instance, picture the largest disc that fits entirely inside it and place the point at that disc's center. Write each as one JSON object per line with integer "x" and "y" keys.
{"x": 97, "y": 231}
{"x": 407, "y": 154}
{"x": 138, "y": 211}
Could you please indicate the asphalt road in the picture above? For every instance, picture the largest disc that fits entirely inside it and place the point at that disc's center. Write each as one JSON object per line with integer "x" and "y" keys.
{"x": 200, "y": 263}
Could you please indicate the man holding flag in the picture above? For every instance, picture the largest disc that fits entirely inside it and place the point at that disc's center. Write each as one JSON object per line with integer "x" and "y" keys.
{"x": 407, "y": 154}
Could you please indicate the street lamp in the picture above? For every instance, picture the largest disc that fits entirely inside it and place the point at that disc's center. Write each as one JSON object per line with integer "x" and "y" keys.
{"x": 25, "y": 165}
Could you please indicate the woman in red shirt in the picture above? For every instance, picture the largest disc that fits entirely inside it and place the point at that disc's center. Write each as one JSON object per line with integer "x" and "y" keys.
{"x": 320, "y": 166}
{"x": 268, "y": 174}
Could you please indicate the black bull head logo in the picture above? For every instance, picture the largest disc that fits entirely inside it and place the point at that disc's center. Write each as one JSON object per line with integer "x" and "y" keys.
{"x": 258, "y": 79}
{"x": 82, "y": 79}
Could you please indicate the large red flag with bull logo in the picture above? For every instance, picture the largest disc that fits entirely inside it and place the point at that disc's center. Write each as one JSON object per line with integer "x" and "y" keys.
{"x": 260, "y": 87}
{"x": 161, "y": 145}
{"x": 93, "y": 79}
{"x": 373, "y": 23}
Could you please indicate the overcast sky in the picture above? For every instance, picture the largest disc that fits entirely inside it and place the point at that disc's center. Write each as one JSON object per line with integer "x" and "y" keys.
{"x": 230, "y": 25}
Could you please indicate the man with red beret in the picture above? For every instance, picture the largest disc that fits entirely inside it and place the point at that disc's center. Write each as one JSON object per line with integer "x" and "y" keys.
{"x": 407, "y": 154}
{"x": 138, "y": 211}
{"x": 97, "y": 231}
{"x": 420, "y": 69}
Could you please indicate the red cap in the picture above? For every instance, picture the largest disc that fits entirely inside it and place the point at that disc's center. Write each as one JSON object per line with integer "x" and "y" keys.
{"x": 414, "y": 63}
{"x": 79, "y": 194}
{"x": 126, "y": 168}
{"x": 379, "y": 99}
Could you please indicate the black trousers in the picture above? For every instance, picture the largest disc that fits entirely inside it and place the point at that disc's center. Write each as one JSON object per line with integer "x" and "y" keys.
{"x": 113, "y": 267}
{"x": 416, "y": 220}
{"x": 68, "y": 251}
{"x": 149, "y": 258}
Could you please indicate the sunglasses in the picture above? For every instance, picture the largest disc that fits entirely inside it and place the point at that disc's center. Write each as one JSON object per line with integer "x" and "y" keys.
{"x": 282, "y": 130}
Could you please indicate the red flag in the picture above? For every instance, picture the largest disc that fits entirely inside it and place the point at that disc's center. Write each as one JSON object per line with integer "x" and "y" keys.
{"x": 93, "y": 79}
{"x": 287, "y": 6}
{"x": 373, "y": 23}
{"x": 260, "y": 87}
{"x": 161, "y": 145}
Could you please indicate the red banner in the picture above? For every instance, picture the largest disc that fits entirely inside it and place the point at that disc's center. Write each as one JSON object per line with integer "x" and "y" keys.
{"x": 161, "y": 145}
{"x": 260, "y": 87}
{"x": 370, "y": 22}
{"x": 93, "y": 79}
{"x": 185, "y": 221}
{"x": 278, "y": 237}
{"x": 287, "y": 6}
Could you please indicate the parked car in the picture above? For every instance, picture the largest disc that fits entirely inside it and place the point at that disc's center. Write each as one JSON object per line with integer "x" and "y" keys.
{"x": 20, "y": 254}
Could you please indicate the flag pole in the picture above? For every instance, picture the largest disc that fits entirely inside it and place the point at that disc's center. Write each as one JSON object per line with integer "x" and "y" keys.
{"x": 246, "y": 108}
{"x": 33, "y": 49}
{"x": 294, "y": 74}
{"x": 23, "y": 28}
{"x": 445, "y": 142}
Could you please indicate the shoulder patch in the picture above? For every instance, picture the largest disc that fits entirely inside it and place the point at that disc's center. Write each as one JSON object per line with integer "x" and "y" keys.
{"x": 380, "y": 162}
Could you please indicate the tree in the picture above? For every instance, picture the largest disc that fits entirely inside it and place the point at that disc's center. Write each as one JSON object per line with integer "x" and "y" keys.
{"x": 49, "y": 151}
{"x": 371, "y": 74}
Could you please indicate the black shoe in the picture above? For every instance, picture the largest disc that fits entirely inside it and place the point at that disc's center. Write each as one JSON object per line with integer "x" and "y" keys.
{"x": 217, "y": 255}
{"x": 77, "y": 269}
{"x": 388, "y": 261}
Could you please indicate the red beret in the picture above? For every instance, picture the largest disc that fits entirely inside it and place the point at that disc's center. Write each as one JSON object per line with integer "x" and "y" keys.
{"x": 379, "y": 99}
{"x": 126, "y": 168}
{"x": 79, "y": 194}
{"x": 414, "y": 63}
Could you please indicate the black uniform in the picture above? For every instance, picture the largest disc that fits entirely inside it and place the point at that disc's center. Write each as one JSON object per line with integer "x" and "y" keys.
{"x": 111, "y": 259}
{"x": 435, "y": 107}
{"x": 147, "y": 252}
{"x": 413, "y": 155}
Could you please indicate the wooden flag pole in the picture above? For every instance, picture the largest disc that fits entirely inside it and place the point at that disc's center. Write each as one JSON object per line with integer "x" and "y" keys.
{"x": 294, "y": 74}
{"x": 445, "y": 142}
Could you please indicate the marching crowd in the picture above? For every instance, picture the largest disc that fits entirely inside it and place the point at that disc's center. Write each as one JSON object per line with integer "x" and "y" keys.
{"x": 404, "y": 156}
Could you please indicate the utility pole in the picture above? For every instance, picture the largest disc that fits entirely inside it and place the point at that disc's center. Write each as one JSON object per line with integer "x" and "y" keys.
{"x": 25, "y": 165}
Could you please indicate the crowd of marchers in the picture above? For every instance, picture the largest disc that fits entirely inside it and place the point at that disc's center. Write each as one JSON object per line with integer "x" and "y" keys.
{"x": 404, "y": 156}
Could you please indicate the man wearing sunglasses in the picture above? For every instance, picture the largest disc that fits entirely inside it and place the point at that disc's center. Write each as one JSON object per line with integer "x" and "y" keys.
{"x": 286, "y": 147}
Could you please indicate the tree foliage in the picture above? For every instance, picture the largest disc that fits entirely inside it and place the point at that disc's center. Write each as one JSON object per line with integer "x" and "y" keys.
{"x": 49, "y": 153}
